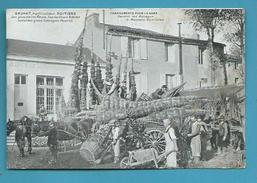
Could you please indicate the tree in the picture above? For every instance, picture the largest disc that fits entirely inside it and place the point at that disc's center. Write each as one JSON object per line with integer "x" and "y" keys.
{"x": 108, "y": 74}
{"x": 79, "y": 56}
{"x": 83, "y": 85}
{"x": 98, "y": 77}
{"x": 132, "y": 84}
{"x": 124, "y": 81}
{"x": 236, "y": 36}
{"x": 210, "y": 21}
{"x": 93, "y": 76}
{"x": 74, "y": 93}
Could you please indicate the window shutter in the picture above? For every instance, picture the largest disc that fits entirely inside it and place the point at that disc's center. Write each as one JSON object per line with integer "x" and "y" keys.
{"x": 136, "y": 49}
{"x": 143, "y": 49}
{"x": 172, "y": 53}
{"x": 124, "y": 45}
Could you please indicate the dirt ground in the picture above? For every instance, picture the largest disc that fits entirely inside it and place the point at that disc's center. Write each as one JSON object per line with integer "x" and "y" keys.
{"x": 72, "y": 160}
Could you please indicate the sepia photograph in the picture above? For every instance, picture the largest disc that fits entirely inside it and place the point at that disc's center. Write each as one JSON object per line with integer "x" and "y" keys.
{"x": 138, "y": 88}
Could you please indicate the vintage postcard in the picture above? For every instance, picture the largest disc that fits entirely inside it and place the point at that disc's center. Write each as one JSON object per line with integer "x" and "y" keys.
{"x": 125, "y": 88}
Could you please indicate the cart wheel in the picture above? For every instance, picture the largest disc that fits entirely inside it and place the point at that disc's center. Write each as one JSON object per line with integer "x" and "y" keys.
{"x": 124, "y": 163}
{"x": 155, "y": 139}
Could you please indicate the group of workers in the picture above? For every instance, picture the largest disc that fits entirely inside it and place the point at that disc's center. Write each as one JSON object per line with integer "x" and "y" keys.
{"x": 197, "y": 137}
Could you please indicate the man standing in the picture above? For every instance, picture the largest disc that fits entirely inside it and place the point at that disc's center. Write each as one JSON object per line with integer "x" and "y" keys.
{"x": 116, "y": 140}
{"x": 42, "y": 113}
{"x": 52, "y": 142}
{"x": 195, "y": 139}
{"x": 224, "y": 135}
{"x": 171, "y": 144}
{"x": 204, "y": 138}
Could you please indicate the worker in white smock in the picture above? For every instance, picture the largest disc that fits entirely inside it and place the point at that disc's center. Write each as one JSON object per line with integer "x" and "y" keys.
{"x": 116, "y": 140}
{"x": 171, "y": 144}
{"x": 195, "y": 139}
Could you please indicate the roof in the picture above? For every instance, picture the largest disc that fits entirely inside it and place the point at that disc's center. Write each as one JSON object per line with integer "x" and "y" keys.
{"x": 44, "y": 50}
{"x": 233, "y": 58}
{"x": 131, "y": 32}
{"x": 153, "y": 34}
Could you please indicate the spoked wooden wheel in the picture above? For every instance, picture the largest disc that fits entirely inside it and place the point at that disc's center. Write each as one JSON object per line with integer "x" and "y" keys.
{"x": 124, "y": 163}
{"x": 155, "y": 139}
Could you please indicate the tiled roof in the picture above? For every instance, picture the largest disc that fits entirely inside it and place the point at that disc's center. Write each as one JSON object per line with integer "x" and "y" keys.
{"x": 44, "y": 50}
{"x": 153, "y": 34}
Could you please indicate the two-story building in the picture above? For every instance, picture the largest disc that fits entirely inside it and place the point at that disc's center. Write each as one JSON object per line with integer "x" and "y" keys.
{"x": 156, "y": 57}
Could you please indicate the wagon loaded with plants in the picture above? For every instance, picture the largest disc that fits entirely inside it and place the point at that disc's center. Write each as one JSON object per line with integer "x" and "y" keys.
{"x": 141, "y": 123}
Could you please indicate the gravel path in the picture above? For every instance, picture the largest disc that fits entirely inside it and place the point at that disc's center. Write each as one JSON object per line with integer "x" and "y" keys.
{"x": 72, "y": 160}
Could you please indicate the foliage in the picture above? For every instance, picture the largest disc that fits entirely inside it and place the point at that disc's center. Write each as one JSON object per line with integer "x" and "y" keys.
{"x": 74, "y": 94}
{"x": 236, "y": 36}
{"x": 98, "y": 78}
{"x": 83, "y": 85}
{"x": 108, "y": 73}
{"x": 93, "y": 77}
{"x": 207, "y": 20}
{"x": 211, "y": 21}
{"x": 132, "y": 86}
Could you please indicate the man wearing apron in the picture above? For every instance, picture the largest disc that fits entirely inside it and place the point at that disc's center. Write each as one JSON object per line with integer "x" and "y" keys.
{"x": 116, "y": 140}
{"x": 195, "y": 139}
{"x": 171, "y": 144}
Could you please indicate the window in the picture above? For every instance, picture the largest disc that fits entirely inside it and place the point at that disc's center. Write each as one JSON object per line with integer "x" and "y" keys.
{"x": 169, "y": 81}
{"x": 50, "y": 100}
{"x": 40, "y": 81}
{"x": 143, "y": 49}
{"x": 17, "y": 79}
{"x": 20, "y": 104}
{"x": 58, "y": 99}
{"x": 236, "y": 80}
{"x": 236, "y": 65}
{"x": 203, "y": 82}
{"x": 49, "y": 81}
{"x": 124, "y": 46}
{"x": 138, "y": 48}
{"x": 20, "y": 79}
{"x": 49, "y": 93}
{"x": 40, "y": 98}
{"x": 171, "y": 51}
{"x": 59, "y": 81}
{"x": 200, "y": 56}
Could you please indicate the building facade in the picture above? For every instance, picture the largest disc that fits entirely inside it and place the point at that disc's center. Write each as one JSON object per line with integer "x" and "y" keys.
{"x": 40, "y": 73}
{"x": 155, "y": 56}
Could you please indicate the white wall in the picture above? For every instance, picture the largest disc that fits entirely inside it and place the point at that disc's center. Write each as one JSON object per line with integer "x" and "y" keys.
{"x": 32, "y": 69}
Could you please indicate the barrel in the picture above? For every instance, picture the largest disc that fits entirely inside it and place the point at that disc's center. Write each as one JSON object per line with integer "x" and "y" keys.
{"x": 90, "y": 151}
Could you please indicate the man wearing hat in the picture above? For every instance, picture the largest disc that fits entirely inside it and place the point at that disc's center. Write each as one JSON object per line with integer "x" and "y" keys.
{"x": 52, "y": 142}
{"x": 116, "y": 139}
{"x": 195, "y": 139}
{"x": 171, "y": 144}
{"x": 224, "y": 135}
